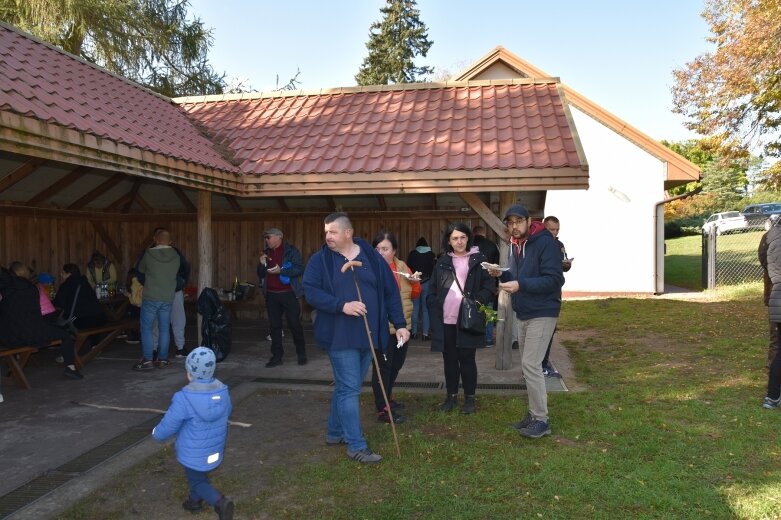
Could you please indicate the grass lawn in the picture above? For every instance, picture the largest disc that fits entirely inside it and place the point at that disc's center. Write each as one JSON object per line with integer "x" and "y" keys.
{"x": 670, "y": 427}
{"x": 683, "y": 262}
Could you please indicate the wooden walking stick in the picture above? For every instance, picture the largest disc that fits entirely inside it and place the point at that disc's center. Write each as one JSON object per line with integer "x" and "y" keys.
{"x": 351, "y": 265}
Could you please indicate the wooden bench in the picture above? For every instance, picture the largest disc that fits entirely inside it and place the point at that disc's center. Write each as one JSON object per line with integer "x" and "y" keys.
{"x": 17, "y": 358}
{"x": 111, "y": 329}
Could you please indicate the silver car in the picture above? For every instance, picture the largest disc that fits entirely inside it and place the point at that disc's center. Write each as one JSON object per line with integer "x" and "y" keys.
{"x": 724, "y": 222}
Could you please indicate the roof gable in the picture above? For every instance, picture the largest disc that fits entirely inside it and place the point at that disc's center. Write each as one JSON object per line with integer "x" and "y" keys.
{"x": 499, "y": 60}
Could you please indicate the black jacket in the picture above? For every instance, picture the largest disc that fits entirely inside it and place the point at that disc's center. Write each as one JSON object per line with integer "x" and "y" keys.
{"x": 478, "y": 286}
{"x": 87, "y": 305}
{"x": 21, "y": 322}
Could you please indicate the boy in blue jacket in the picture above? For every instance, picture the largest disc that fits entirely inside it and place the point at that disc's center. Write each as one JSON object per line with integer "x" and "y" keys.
{"x": 198, "y": 416}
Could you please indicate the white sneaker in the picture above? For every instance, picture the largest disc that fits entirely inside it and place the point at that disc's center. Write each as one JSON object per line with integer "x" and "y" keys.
{"x": 1, "y": 398}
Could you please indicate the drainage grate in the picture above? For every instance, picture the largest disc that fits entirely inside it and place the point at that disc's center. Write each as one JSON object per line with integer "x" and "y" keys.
{"x": 414, "y": 384}
{"x": 501, "y": 386}
{"x": 291, "y": 381}
{"x": 28, "y": 493}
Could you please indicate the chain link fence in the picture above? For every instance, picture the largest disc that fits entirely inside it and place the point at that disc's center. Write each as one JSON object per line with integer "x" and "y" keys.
{"x": 731, "y": 258}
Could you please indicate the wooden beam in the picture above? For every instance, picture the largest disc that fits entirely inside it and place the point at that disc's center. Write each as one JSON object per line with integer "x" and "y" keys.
{"x": 234, "y": 204}
{"x": 205, "y": 266}
{"x": 131, "y": 196}
{"x": 112, "y": 246}
{"x": 383, "y": 204}
{"x": 119, "y": 203}
{"x": 183, "y": 198}
{"x": 144, "y": 204}
{"x": 504, "y": 327}
{"x": 331, "y": 203}
{"x": 282, "y": 204}
{"x": 58, "y": 186}
{"x": 20, "y": 173}
{"x": 98, "y": 191}
{"x": 486, "y": 214}
{"x": 434, "y": 202}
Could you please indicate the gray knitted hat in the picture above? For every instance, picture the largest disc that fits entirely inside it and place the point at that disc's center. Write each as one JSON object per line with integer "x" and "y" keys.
{"x": 201, "y": 363}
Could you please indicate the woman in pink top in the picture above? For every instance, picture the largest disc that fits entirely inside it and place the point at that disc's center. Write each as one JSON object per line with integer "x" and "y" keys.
{"x": 461, "y": 260}
{"x": 44, "y": 281}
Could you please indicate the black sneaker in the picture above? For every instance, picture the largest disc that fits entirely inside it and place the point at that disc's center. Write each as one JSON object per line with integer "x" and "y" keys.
{"x": 193, "y": 506}
{"x": 143, "y": 365}
{"x": 515, "y": 345}
{"x": 180, "y": 353}
{"x": 426, "y": 337}
{"x": 536, "y": 429}
{"x": 450, "y": 402}
{"x": 224, "y": 508}
{"x": 469, "y": 406}
{"x": 396, "y": 405}
{"x": 525, "y": 422}
{"x": 549, "y": 371}
{"x": 72, "y": 374}
{"x": 273, "y": 362}
{"x": 302, "y": 360}
{"x": 383, "y": 416}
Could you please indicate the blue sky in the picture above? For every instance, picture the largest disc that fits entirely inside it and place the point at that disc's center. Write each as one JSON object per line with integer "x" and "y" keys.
{"x": 618, "y": 53}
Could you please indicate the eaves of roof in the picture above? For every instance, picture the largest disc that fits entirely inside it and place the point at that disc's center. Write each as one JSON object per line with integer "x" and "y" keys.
{"x": 679, "y": 169}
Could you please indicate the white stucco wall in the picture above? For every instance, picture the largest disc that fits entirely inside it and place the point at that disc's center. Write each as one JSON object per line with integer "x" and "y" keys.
{"x": 612, "y": 240}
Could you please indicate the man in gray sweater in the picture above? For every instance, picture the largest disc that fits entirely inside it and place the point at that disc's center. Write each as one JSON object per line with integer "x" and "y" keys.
{"x": 159, "y": 264}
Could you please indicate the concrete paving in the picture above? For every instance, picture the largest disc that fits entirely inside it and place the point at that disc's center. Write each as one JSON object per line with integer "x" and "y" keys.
{"x": 43, "y": 428}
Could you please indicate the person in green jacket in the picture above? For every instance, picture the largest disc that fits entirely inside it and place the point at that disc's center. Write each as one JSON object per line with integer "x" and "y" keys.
{"x": 159, "y": 265}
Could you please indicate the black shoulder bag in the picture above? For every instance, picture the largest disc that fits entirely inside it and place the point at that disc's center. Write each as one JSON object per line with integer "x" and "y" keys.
{"x": 470, "y": 320}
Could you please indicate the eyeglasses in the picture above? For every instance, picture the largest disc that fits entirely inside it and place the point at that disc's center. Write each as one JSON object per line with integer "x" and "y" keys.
{"x": 511, "y": 223}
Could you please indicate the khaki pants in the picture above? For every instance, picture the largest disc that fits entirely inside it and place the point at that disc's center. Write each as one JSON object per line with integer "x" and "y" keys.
{"x": 533, "y": 338}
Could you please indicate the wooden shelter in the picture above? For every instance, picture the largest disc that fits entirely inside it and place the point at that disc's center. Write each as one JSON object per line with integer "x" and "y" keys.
{"x": 91, "y": 161}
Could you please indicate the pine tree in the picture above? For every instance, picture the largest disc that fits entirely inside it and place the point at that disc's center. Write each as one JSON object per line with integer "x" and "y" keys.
{"x": 393, "y": 44}
{"x": 149, "y": 41}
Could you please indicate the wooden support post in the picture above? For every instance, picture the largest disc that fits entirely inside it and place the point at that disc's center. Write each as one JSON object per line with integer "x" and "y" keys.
{"x": 504, "y": 329}
{"x": 205, "y": 266}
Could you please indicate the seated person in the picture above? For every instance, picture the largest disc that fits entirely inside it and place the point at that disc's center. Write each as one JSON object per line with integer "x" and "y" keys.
{"x": 100, "y": 270}
{"x": 87, "y": 310}
{"x": 21, "y": 320}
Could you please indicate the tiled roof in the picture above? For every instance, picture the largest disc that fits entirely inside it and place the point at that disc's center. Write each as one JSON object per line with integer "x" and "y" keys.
{"x": 41, "y": 82}
{"x": 460, "y": 126}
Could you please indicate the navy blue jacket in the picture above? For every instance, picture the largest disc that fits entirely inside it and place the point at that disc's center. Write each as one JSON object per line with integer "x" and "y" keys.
{"x": 291, "y": 255}
{"x": 319, "y": 286}
{"x": 198, "y": 416}
{"x": 539, "y": 274}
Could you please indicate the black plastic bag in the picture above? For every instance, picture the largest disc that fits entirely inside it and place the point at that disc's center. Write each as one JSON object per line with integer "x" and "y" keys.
{"x": 216, "y": 323}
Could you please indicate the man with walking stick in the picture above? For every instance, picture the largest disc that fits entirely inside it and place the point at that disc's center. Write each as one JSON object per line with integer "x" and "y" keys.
{"x": 356, "y": 296}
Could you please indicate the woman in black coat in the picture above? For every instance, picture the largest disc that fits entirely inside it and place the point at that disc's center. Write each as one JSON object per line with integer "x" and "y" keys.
{"x": 21, "y": 322}
{"x": 444, "y": 301}
{"x": 88, "y": 311}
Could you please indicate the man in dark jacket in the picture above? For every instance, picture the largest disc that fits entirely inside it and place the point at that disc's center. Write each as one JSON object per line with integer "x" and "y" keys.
{"x": 534, "y": 279}
{"x": 772, "y": 259}
{"x": 344, "y": 298}
{"x": 421, "y": 260}
{"x": 279, "y": 269}
{"x": 553, "y": 225}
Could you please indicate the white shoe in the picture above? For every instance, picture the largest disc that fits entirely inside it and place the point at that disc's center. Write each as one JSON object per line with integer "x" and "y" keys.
{"x": 1, "y": 398}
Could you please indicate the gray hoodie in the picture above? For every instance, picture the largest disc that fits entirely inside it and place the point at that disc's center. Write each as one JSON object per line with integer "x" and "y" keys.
{"x": 159, "y": 265}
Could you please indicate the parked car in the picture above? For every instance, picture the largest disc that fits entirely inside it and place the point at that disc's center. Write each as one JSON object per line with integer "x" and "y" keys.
{"x": 724, "y": 222}
{"x": 759, "y": 214}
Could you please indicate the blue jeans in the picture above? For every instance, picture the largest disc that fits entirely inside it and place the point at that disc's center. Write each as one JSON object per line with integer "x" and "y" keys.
{"x": 151, "y": 311}
{"x": 344, "y": 421}
{"x": 200, "y": 487}
{"x": 416, "y": 307}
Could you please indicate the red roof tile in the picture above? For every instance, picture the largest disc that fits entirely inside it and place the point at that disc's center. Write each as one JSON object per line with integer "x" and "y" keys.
{"x": 394, "y": 129}
{"x": 41, "y": 82}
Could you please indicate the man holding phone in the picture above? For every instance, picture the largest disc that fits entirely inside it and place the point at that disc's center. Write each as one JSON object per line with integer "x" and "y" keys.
{"x": 280, "y": 266}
